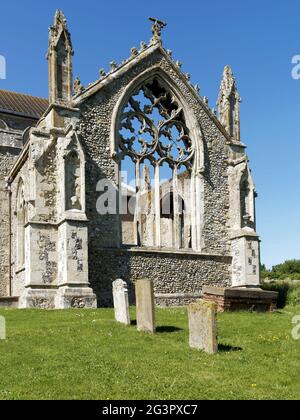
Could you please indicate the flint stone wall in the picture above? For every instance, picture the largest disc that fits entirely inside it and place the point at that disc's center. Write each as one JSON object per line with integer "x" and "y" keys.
{"x": 178, "y": 277}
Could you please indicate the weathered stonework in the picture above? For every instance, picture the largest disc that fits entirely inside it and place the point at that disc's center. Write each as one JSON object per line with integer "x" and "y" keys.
{"x": 145, "y": 310}
{"x": 7, "y": 159}
{"x": 57, "y": 250}
{"x": 203, "y": 326}
{"x": 12, "y": 126}
{"x": 121, "y": 302}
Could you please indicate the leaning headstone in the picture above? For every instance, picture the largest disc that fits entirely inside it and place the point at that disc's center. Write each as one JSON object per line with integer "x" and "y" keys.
{"x": 121, "y": 301}
{"x": 203, "y": 326}
{"x": 145, "y": 306}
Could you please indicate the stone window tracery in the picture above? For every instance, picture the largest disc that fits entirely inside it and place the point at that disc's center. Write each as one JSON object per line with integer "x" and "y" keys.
{"x": 156, "y": 129}
{"x": 154, "y": 134}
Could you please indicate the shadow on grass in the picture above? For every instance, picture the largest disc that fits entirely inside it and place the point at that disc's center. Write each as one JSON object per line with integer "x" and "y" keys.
{"x": 162, "y": 329}
{"x": 167, "y": 329}
{"x": 227, "y": 349}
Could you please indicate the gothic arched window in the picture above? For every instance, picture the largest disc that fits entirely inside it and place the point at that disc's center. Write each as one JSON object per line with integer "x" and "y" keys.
{"x": 154, "y": 144}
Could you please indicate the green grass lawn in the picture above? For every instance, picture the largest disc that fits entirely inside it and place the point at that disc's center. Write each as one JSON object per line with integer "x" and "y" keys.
{"x": 81, "y": 354}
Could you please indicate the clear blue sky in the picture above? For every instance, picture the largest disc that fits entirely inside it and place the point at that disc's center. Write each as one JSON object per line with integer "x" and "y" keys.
{"x": 257, "y": 38}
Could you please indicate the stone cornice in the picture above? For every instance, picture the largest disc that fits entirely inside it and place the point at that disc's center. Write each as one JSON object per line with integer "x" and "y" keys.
{"x": 12, "y": 132}
{"x": 242, "y": 233}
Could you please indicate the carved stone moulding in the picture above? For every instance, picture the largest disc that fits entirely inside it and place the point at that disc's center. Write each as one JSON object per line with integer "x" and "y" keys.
{"x": 76, "y": 298}
{"x": 37, "y": 298}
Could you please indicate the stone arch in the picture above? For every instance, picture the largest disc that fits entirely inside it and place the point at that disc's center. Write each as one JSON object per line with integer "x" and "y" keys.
{"x": 165, "y": 79}
{"x": 191, "y": 156}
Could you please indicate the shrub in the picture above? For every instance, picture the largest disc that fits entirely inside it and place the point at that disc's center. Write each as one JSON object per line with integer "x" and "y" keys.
{"x": 288, "y": 292}
{"x": 289, "y": 270}
{"x": 293, "y": 298}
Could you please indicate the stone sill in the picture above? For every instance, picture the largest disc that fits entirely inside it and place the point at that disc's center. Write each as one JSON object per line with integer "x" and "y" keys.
{"x": 166, "y": 251}
{"x": 244, "y": 233}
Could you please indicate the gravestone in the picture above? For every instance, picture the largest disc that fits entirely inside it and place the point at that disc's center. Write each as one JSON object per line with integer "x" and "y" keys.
{"x": 2, "y": 328}
{"x": 203, "y": 326}
{"x": 145, "y": 316}
{"x": 121, "y": 302}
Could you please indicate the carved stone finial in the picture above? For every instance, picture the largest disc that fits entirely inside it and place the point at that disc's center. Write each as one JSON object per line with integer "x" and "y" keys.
{"x": 59, "y": 58}
{"x": 188, "y": 76}
{"x": 60, "y": 19}
{"x": 205, "y": 100}
{"x": 157, "y": 27}
{"x": 170, "y": 53}
{"x": 143, "y": 46}
{"x": 56, "y": 30}
{"x": 229, "y": 104}
{"x": 113, "y": 65}
{"x": 197, "y": 88}
{"x": 78, "y": 87}
{"x": 179, "y": 64}
{"x": 102, "y": 73}
{"x": 134, "y": 52}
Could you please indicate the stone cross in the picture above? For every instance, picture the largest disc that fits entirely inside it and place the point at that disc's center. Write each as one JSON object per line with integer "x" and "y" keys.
{"x": 121, "y": 302}
{"x": 203, "y": 326}
{"x": 157, "y": 27}
{"x": 145, "y": 316}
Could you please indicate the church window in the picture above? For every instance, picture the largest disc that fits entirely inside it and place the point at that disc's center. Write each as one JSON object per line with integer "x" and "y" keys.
{"x": 156, "y": 150}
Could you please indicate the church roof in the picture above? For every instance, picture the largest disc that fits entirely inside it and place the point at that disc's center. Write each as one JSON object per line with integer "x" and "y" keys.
{"x": 21, "y": 104}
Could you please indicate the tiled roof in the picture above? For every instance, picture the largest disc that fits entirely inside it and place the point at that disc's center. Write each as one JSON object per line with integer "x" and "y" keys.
{"x": 26, "y": 105}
